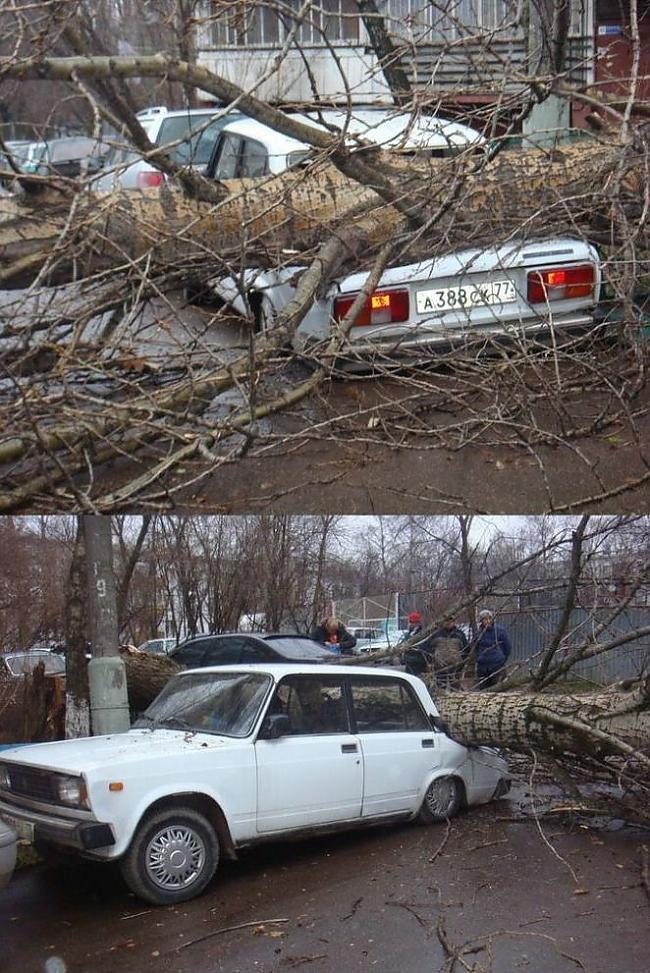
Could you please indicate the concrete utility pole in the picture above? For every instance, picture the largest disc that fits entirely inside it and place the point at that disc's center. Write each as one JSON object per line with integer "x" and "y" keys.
{"x": 548, "y": 32}
{"x": 109, "y": 703}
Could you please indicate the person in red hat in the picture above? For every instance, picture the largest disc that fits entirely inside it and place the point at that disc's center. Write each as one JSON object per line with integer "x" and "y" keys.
{"x": 415, "y": 625}
{"x": 413, "y": 660}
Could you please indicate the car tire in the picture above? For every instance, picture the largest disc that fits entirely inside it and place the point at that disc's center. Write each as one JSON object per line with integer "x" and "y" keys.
{"x": 443, "y": 799}
{"x": 172, "y": 857}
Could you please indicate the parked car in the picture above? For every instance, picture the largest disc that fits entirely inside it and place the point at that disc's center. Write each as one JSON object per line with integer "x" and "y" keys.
{"x": 237, "y": 647}
{"x": 379, "y": 643}
{"x": 544, "y": 288}
{"x": 527, "y": 288}
{"x": 158, "y": 646}
{"x": 8, "y": 850}
{"x": 15, "y": 665}
{"x": 190, "y": 134}
{"x": 249, "y": 149}
{"x": 228, "y": 757}
{"x": 69, "y": 157}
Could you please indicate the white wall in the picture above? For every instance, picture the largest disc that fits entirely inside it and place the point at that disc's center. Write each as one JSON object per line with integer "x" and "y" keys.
{"x": 257, "y": 72}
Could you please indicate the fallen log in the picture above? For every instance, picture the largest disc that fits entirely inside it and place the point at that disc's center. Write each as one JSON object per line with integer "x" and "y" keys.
{"x": 605, "y": 723}
{"x": 146, "y": 676}
{"x": 463, "y": 201}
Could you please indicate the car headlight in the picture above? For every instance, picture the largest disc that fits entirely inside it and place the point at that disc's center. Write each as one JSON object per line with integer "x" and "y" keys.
{"x": 72, "y": 791}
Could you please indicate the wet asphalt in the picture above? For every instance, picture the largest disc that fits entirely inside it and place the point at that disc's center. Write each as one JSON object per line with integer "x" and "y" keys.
{"x": 492, "y": 892}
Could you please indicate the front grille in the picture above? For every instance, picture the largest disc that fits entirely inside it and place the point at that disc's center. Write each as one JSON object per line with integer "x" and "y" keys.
{"x": 30, "y": 782}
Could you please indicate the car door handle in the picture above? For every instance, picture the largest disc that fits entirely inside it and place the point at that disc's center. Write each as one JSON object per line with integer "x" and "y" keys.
{"x": 428, "y": 742}
{"x": 348, "y": 748}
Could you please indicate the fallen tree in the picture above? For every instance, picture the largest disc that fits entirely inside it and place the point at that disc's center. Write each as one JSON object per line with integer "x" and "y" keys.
{"x": 472, "y": 198}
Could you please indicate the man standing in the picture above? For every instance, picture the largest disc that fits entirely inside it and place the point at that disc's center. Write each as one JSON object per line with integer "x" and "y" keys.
{"x": 492, "y": 650}
{"x": 449, "y": 649}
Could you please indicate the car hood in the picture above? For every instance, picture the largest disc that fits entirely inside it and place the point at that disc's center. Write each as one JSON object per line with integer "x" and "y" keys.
{"x": 89, "y": 753}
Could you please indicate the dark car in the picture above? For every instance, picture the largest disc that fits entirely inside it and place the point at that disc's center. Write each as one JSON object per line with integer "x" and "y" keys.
{"x": 238, "y": 647}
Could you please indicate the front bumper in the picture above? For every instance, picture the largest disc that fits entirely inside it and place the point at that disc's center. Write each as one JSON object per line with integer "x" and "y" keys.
{"x": 43, "y": 825}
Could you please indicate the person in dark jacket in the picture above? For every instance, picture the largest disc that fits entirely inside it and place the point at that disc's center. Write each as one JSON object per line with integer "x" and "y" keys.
{"x": 449, "y": 649}
{"x": 492, "y": 650}
{"x": 333, "y": 635}
{"x": 415, "y": 626}
{"x": 414, "y": 659}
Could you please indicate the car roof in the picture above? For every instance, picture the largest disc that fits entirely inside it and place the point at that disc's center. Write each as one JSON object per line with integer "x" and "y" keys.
{"x": 391, "y": 130}
{"x": 259, "y": 635}
{"x": 278, "y": 670}
{"x": 278, "y": 143}
{"x": 15, "y": 654}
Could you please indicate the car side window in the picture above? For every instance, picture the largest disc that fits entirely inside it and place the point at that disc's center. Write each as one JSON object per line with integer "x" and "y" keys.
{"x": 222, "y": 651}
{"x": 385, "y": 705}
{"x": 314, "y": 705}
{"x": 254, "y": 159}
{"x": 190, "y": 655}
{"x": 228, "y": 161}
{"x": 252, "y": 651}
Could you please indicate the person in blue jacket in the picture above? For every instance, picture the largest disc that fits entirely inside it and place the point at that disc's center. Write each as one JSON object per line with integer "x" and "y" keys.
{"x": 492, "y": 650}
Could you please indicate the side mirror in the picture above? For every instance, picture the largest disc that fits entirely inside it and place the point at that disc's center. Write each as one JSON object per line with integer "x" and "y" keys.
{"x": 275, "y": 725}
{"x": 439, "y": 725}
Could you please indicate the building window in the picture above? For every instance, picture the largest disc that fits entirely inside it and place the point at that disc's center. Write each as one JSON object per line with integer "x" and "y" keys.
{"x": 252, "y": 23}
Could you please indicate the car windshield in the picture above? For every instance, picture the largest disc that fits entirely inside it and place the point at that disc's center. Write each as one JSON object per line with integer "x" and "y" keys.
{"x": 18, "y": 665}
{"x": 225, "y": 703}
{"x": 298, "y": 648}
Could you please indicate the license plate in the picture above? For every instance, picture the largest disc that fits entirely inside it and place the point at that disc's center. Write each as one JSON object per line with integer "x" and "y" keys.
{"x": 458, "y": 298}
{"x": 24, "y": 829}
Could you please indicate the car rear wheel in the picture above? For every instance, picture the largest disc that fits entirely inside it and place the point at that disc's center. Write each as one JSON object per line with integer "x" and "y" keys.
{"x": 443, "y": 799}
{"x": 173, "y": 856}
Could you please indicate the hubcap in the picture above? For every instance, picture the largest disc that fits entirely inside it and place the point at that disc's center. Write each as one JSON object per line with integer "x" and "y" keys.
{"x": 440, "y": 797}
{"x": 175, "y": 857}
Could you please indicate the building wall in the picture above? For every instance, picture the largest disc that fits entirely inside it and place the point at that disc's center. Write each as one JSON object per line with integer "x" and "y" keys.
{"x": 474, "y": 48}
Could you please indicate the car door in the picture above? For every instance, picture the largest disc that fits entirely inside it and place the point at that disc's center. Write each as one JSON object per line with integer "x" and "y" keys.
{"x": 398, "y": 744}
{"x": 312, "y": 775}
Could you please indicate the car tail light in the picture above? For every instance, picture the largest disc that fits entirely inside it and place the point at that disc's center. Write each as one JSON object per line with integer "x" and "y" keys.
{"x": 382, "y": 307}
{"x": 561, "y": 283}
{"x": 150, "y": 178}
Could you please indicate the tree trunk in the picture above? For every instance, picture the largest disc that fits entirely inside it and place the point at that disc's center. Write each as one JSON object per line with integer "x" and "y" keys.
{"x": 464, "y": 202}
{"x": 606, "y": 723}
{"x": 146, "y": 675}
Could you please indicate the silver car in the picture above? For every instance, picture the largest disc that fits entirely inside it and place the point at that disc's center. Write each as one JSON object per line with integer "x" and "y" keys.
{"x": 545, "y": 288}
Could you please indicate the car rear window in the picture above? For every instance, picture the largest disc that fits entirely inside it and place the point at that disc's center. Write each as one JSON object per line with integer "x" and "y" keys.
{"x": 197, "y": 149}
{"x": 18, "y": 665}
{"x": 299, "y": 648}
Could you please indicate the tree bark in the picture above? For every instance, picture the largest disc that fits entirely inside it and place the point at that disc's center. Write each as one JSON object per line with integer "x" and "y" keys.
{"x": 146, "y": 676}
{"x": 607, "y": 723}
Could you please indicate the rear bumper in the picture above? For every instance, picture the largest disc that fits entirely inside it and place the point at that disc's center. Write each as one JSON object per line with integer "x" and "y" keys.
{"x": 403, "y": 345}
{"x": 44, "y": 826}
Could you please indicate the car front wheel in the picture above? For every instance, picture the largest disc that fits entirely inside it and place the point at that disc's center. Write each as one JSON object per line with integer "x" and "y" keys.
{"x": 172, "y": 857}
{"x": 443, "y": 799}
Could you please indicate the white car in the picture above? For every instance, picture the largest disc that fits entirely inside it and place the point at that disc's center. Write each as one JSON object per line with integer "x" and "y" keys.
{"x": 545, "y": 288}
{"x": 158, "y": 646}
{"x": 190, "y": 133}
{"x": 8, "y": 850}
{"x": 249, "y": 149}
{"x": 227, "y": 757}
